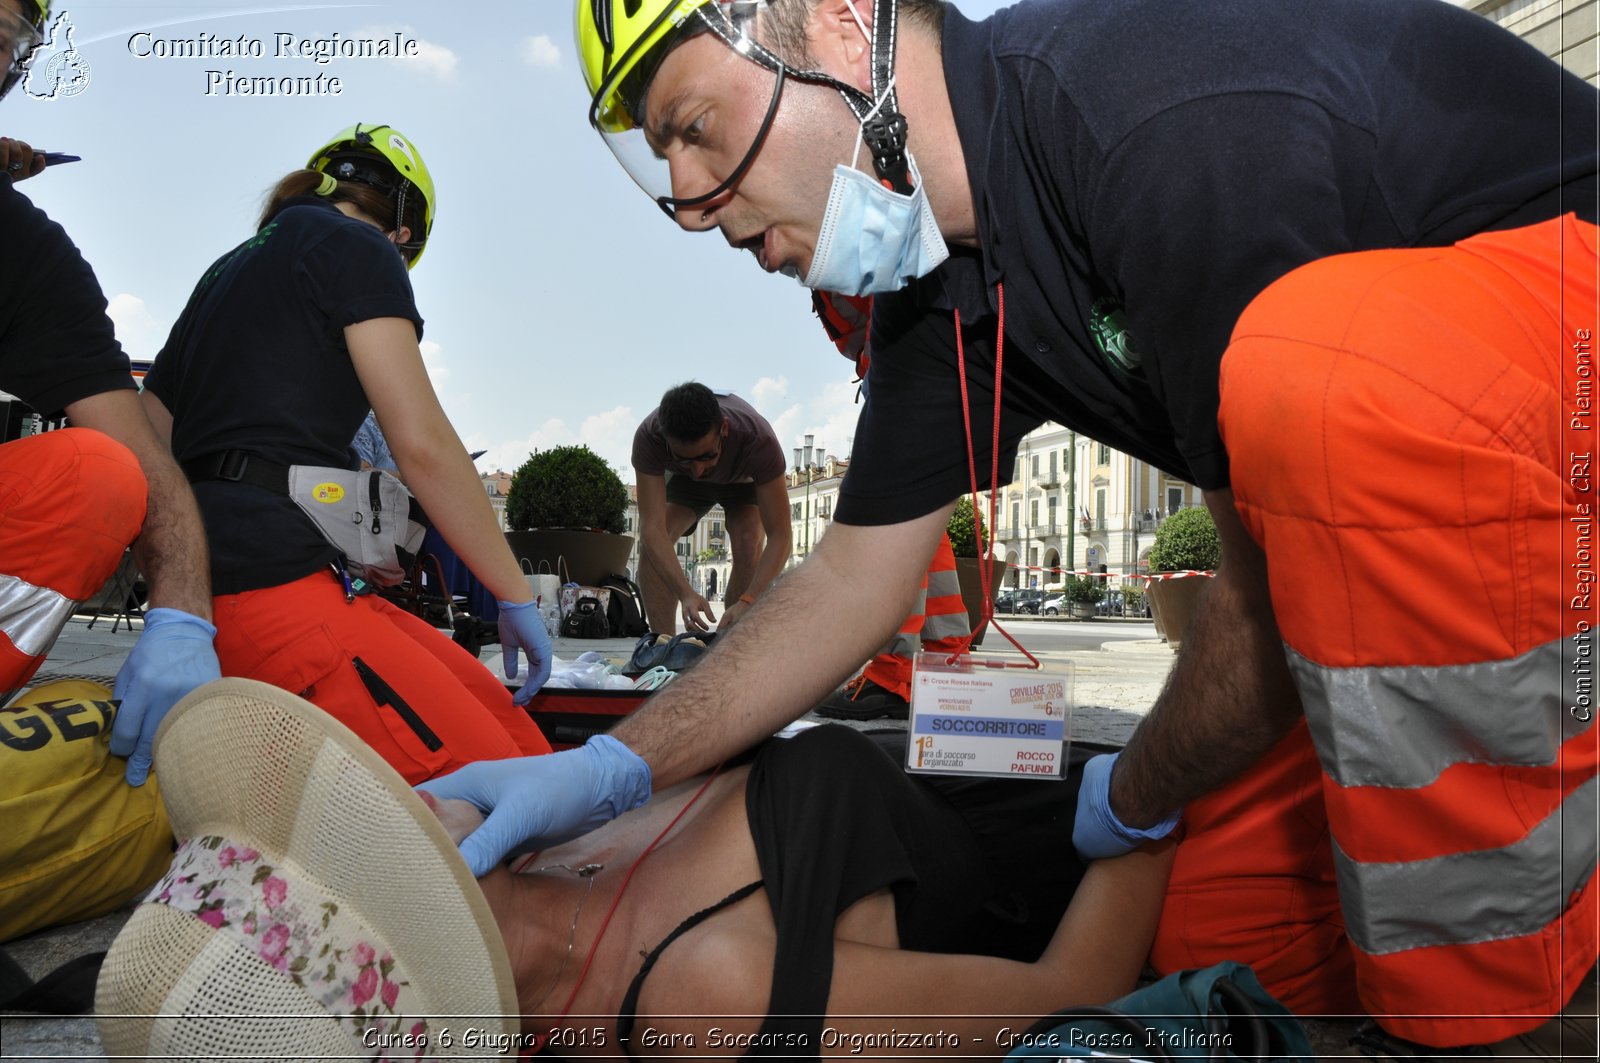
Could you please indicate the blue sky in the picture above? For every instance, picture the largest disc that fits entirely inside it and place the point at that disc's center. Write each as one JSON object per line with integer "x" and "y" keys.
{"x": 560, "y": 303}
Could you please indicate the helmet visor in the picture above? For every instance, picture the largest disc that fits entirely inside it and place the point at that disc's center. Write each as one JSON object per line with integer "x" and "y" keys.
{"x": 641, "y": 141}
{"x": 651, "y": 169}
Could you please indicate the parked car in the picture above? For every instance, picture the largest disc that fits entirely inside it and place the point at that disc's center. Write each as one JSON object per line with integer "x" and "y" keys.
{"x": 1019, "y": 600}
{"x": 1111, "y": 605}
{"x": 1052, "y": 605}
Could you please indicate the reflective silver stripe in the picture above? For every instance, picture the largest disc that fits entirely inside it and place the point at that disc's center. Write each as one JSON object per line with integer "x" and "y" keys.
{"x": 1465, "y": 898}
{"x": 904, "y": 645}
{"x": 31, "y": 617}
{"x": 1402, "y": 726}
{"x": 944, "y": 584}
{"x": 946, "y": 626}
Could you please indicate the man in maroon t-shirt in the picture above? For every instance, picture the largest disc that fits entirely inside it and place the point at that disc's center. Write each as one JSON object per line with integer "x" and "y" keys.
{"x": 696, "y": 450}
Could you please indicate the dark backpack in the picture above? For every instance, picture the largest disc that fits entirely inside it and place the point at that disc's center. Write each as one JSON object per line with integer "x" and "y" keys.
{"x": 586, "y": 621}
{"x": 625, "y": 611}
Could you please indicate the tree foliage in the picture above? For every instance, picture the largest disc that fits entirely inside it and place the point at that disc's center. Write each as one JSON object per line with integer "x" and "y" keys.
{"x": 966, "y": 524}
{"x": 566, "y": 487}
{"x": 1186, "y": 541}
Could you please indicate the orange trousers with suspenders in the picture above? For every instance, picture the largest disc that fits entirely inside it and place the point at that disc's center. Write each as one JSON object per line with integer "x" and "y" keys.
{"x": 1412, "y": 437}
{"x": 70, "y": 503}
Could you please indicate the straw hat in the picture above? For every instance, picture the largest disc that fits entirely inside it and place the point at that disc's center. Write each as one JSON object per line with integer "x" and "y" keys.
{"x": 315, "y": 906}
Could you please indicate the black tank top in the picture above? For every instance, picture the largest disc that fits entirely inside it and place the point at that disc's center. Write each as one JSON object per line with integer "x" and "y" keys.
{"x": 975, "y": 866}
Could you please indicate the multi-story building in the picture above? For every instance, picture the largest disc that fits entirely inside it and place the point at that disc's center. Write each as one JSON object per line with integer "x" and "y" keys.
{"x": 813, "y": 496}
{"x": 497, "y": 485}
{"x": 1566, "y": 30}
{"x": 1075, "y": 505}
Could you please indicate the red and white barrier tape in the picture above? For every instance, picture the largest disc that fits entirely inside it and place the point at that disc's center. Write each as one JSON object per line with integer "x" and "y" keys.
{"x": 1148, "y": 577}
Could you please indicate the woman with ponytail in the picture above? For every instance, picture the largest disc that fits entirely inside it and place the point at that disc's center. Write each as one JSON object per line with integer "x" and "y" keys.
{"x": 286, "y": 343}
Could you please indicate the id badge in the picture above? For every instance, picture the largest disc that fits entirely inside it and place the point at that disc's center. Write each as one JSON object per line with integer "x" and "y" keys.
{"x": 978, "y": 717}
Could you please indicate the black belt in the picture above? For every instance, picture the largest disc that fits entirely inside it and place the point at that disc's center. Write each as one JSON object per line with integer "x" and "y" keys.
{"x": 243, "y": 467}
{"x": 239, "y": 467}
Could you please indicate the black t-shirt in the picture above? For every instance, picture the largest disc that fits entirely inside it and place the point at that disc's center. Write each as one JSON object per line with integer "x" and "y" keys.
{"x": 56, "y": 344}
{"x": 257, "y": 362}
{"x": 1142, "y": 169}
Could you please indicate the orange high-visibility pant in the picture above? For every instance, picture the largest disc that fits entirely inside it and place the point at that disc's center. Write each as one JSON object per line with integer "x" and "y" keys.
{"x": 1411, "y": 437}
{"x": 937, "y": 623}
{"x": 70, "y": 503}
{"x": 426, "y": 705}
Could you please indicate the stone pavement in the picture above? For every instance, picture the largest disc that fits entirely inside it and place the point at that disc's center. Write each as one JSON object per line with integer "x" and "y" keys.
{"x": 1113, "y": 687}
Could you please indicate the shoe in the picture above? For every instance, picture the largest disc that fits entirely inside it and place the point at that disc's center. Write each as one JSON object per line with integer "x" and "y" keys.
{"x": 649, "y": 651}
{"x": 862, "y": 699}
{"x": 655, "y": 679}
{"x": 684, "y": 651}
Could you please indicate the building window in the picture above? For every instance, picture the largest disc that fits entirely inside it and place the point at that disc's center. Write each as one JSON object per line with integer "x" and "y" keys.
{"x": 1016, "y": 515}
{"x": 794, "y": 511}
{"x": 1100, "y": 507}
{"x": 1036, "y": 466}
{"x": 1033, "y": 513}
{"x": 1174, "y": 499}
{"x": 1052, "y": 466}
{"x": 1103, "y": 455}
{"x": 1052, "y": 501}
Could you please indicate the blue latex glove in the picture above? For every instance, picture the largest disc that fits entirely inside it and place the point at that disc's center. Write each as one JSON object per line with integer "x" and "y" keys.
{"x": 171, "y": 658}
{"x": 536, "y": 802}
{"x": 1097, "y": 833}
{"x": 522, "y": 628}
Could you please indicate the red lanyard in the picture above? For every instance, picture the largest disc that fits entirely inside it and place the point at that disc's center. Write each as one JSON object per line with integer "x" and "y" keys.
{"x": 986, "y": 553}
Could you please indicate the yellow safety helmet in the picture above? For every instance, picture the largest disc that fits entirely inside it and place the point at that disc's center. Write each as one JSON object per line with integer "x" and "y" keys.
{"x": 620, "y": 42}
{"x": 18, "y": 38}
{"x": 355, "y": 154}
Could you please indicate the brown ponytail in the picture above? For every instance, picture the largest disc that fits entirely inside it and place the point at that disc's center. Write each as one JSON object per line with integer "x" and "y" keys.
{"x": 368, "y": 200}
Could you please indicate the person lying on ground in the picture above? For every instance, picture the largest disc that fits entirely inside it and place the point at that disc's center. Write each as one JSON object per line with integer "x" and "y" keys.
{"x": 798, "y": 903}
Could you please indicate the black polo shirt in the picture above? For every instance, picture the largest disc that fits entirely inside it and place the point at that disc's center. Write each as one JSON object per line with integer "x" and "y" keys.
{"x": 1142, "y": 169}
{"x": 257, "y": 362}
{"x": 56, "y": 344}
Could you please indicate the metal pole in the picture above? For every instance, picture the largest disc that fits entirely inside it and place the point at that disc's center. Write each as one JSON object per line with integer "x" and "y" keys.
{"x": 1072, "y": 499}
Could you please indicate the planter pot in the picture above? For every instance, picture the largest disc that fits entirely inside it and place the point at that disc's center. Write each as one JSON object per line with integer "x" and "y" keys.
{"x": 1081, "y": 610}
{"x": 577, "y": 554}
{"x": 972, "y": 591}
{"x": 1174, "y": 602}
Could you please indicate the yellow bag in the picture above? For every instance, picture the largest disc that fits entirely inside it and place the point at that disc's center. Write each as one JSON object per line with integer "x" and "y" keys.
{"x": 78, "y": 841}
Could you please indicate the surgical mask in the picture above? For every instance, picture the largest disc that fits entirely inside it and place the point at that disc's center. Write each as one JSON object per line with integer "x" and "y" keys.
{"x": 874, "y": 239}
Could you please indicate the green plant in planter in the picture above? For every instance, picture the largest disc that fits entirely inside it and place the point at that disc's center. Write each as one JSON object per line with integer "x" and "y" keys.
{"x": 965, "y": 528}
{"x": 1133, "y": 600}
{"x": 1186, "y": 541}
{"x": 566, "y": 487}
{"x": 1085, "y": 590}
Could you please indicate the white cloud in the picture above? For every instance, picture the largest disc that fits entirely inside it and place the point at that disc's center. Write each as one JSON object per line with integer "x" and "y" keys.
{"x": 541, "y": 51}
{"x": 768, "y": 392}
{"x": 433, "y": 361}
{"x": 608, "y": 433}
{"x": 432, "y": 60}
{"x": 829, "y": 416}
{"x": 435, "y": 60}
{"x": 140, "y": 334}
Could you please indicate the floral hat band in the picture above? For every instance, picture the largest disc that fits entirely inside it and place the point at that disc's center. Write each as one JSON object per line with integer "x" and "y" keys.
{"x": 315, "y": 907}
{"x": 301, "y": 932}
